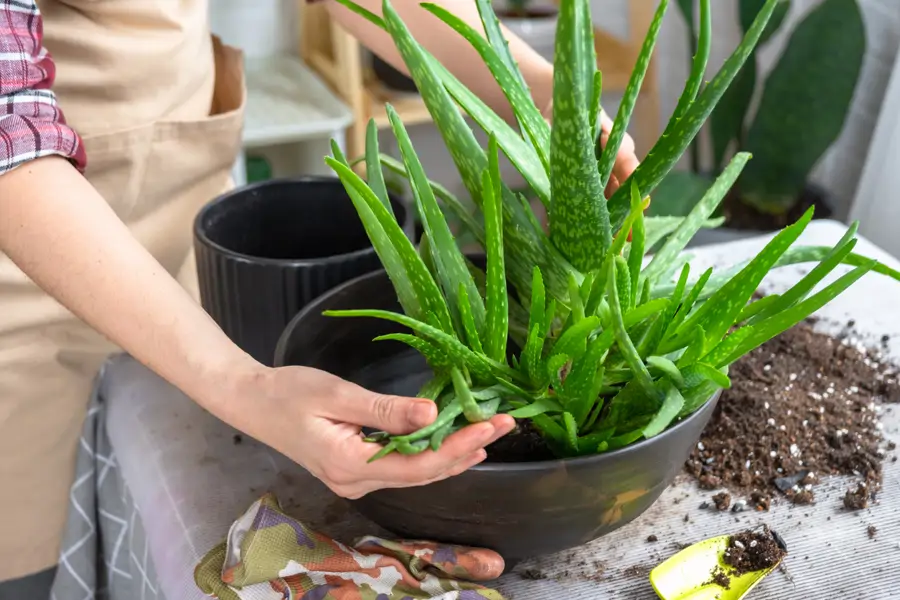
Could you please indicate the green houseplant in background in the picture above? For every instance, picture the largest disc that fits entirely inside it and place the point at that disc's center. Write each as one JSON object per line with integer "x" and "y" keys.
{"x": 801, "y": 112}
{"x": 580, "y": 331}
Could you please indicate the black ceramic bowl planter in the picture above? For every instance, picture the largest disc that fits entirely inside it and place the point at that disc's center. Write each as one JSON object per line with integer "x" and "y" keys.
{"x": 267, "y": 249}
{"x": 518, "y": 509}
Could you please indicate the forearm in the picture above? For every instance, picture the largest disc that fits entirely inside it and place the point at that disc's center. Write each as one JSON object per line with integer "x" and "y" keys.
{"x": 450, "y": 48}
{"x": 64, "y": 236}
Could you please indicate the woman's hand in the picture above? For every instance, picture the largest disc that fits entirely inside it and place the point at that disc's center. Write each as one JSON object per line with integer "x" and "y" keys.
{"x": 315, "y": 418}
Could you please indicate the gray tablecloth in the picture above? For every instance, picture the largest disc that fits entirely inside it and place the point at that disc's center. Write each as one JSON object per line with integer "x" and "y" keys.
{"x": 160, "y": 481}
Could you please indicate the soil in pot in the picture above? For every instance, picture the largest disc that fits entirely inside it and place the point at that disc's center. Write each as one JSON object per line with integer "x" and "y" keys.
{"x": 802, "y": 406}
{"x": 740, "y": 215}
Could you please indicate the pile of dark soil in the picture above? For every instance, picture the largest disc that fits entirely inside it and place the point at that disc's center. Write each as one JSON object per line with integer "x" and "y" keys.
{"x": 801, "y": 406}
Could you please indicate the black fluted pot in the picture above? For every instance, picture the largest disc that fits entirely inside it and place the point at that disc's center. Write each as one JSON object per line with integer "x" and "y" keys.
{"x": 265, "y": 250}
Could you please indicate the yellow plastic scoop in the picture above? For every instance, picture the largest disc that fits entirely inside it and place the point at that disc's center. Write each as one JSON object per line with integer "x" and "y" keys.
{"x": 721, "y": 568}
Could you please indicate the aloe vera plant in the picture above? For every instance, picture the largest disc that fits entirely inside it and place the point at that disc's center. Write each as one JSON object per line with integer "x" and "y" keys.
{"x": 599, "y": 333}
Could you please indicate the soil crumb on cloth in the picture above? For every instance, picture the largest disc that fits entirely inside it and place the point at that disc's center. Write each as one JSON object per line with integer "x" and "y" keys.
{"x": 751, "y": 551}
{"x": 801, "y": 406}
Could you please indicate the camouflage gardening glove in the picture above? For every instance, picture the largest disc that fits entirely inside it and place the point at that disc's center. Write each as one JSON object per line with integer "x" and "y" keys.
{"x": 270, "y": 556}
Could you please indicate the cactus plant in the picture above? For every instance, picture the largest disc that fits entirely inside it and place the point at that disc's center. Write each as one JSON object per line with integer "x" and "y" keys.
{"x": 803, "y": 106}
{"x": 582, "y": 332}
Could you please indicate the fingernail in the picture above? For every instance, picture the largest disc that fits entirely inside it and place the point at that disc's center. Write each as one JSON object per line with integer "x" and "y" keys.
{"x": 421, "y": 413}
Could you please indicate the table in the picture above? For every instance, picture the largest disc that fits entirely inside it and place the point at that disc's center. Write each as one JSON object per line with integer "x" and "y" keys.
{"x": 172, "y": 478}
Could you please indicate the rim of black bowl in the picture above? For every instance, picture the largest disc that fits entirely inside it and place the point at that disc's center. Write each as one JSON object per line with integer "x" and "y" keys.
{"x": 200, "y": 233}
{"x": 511, "y": 466}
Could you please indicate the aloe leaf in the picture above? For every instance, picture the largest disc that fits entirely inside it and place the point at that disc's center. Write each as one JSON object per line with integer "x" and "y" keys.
{"x": 693, "y": 222}
{"x": 435, "y": 356}
{"x": 498, "y": 42}
{"x": 579, "y": 219}
{"x": 696, "y": 348}
{"x": 437, "y": 439}
{"x": 638, "y": 234}
{"x": 629, "y": 97}
{"x": 519, "y": 97}
{"x": 623, "y": 284}
{"x": 445, "y": 196}
{"x": 540, "y": 406}
{"x": 688, "y": 305}
{"x": 658, "y": 228}
{"x": 777, "y": 324}
{"x": 470, "y": 408}
{"x": 572, "y": 342}
{"x": 468, "y": 320}
{"x": 698, "y": 64}
{"x": 435, "y": 386}
{"x": 697, "y": 396}
{"x": 496, "y": 296}
{"x": 416, "y": 289}
{"x": 551, "y": 429}
{"x": 525, "y": 244}
{"x": 554, "y": 366}
{"x": 444, "y": 418}
{"x": 594, "y": 114}
{"x": 718, "y": 313}
{"x": 571, "y": 431}
{"x": 755, "y": 307}
{"x": 520, "y": 153}
{"x": 450, "y": 263}
{"x": 799, "y": 290}
{"x": 576, "y": 306}
{"x": 724, "y": 348}
{"x": 679, "y": 134}
{"x": 374, "y": 174}
{"x": 582, "y": 386}
{"x": 711, "y": 373}
{"x": 626, "y": 346}
{"x": 668, "y": 368}
{"x": 455, "y": 349}
{"x": 672, "y": 405}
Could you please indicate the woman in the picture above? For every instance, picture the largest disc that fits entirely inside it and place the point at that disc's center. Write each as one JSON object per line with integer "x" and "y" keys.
{"x": 95, "y": 225}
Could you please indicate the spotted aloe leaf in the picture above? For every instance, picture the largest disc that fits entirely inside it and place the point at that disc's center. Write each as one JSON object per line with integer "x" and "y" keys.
{"x": 691, "y": 224}
{"x": 629, "y": 97}
{"x": 672, "y": 404}
{"x": 701, "y": 57}
{"x": 777, "y": 324}
{"x": 523, "y": 240}
{"x": 626, "y": 345}
{"x": 579, "y": 219}
{"x": 458, "y": 352}
{"x": 513, "y": 87}
{"x": 720, "y": 312}
{"x": 448, "y": 259}
{"x": 374, "y": 173}
{"x": 680, "y": 132}
{"x": 497, "y": 299}
{"x": 416, "y": 289}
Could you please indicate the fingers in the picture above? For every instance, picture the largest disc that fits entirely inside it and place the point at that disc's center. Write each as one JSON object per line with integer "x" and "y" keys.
{"x": 394, "y": 414}
{"x": 459, "y": 452}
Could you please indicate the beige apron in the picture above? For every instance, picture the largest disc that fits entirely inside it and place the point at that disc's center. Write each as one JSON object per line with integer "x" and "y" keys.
{"x": 159, "y": 103}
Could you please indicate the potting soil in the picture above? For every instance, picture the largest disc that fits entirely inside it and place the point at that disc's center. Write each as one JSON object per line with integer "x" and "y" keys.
{"x": 801, "y": 406}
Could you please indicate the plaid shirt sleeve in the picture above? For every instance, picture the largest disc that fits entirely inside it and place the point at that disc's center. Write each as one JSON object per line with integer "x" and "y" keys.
{"x": 31, "y": 122}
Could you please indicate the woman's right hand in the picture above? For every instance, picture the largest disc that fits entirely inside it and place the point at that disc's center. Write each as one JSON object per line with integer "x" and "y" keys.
{"x": 316, "y": 418}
